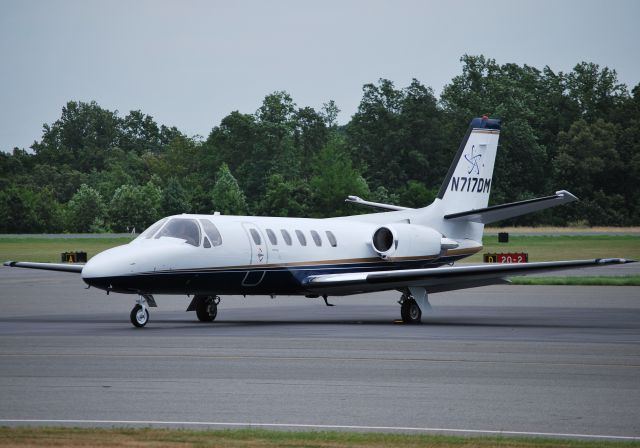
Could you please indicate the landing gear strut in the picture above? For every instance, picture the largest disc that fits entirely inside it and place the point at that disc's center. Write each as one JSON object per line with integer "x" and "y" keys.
{"x": 412, "y": 303}
{"x": 206, "y": 307}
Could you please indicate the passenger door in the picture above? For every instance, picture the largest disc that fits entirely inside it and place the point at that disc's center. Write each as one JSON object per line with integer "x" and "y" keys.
{"x": 259, "y": 254}
{"x": 258, "y": 244}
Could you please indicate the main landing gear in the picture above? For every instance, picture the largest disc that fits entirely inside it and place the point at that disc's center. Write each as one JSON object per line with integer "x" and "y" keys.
{"x": 206, "y": 307}
{"x": 412, "y": 303}
{"x": 140, "y": 314}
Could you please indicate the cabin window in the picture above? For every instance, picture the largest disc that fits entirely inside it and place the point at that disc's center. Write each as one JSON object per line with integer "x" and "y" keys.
{"x": 332, "y": 238}
{"x": 286, "y": 236}
{"x": 152, "y": 229}
{"x": 256, "y": 236}
{"x": 212, "y": 232}
{"x": 206, "y": 243}
{"x": 272, "y": 237}
{"x": 182, "y": 228}
{"x": 301, "y": 238}
{"x": 316, "y": 238}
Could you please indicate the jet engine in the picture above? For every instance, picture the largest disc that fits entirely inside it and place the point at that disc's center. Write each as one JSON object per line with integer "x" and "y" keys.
{"x": 397, "y": 241}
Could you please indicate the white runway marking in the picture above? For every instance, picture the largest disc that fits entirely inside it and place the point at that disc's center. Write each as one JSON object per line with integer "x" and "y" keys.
{"x": 309, "y": 426}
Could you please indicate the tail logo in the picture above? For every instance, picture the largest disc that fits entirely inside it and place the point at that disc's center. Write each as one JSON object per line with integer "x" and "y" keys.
{"x": 474, "y": 160}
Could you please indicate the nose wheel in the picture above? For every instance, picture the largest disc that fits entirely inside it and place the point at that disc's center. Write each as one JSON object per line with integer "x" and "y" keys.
{"x": 140, "y": 313}
{"x": 139, "y": 316}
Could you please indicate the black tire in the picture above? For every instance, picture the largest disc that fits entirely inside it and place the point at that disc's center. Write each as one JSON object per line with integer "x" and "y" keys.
{"x": 410, "y": 312}
{"x": 138, "y": 318}
{"x": 206, "y": 309}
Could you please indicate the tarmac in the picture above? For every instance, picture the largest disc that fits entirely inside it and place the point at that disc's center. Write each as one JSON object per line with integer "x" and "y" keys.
{"x": 528, "y": 360}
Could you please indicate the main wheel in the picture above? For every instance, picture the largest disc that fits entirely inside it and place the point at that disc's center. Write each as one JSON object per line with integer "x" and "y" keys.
{"x": 139, "y": 316}
{"x": 410, "y": 312}
{"x": 206, "y": 309}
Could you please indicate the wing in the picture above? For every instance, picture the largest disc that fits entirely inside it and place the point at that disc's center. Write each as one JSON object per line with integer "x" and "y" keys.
{"x": 62, "y": 267}
{"x": 443, "y": 278}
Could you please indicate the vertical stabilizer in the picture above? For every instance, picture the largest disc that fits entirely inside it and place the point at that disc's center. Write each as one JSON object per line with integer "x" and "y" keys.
{"x": 469, "y": 180}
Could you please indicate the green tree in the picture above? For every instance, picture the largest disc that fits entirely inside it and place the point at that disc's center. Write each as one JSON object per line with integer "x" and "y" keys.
{"x": 416, "y": 195}
{"x": 139, "y": 133}
{"x": 283, "y": 197}
{"x": 330, "y": 112}
{"x": 135, "y": 207}
{"x": 226, "y": 195}
{"x": 334, "y": 178}
{"x": 17, "y": 210}
{"x": 589, "y": 165}
{"x": 310, "y": 133}
{"x": 174, "y": 199}
{"x": 79, "y": 137}
{"x": 596, "y": 91}
{"x": 396, "y": 135}
{"x": 587, "y": 160}
{"x": 85, "y": 209}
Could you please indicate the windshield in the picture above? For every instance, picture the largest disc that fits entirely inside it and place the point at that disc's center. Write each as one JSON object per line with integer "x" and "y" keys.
{"x": 153, "y": 228}
{"x": 182, "y": 228}
{"x": 212, "y": 232}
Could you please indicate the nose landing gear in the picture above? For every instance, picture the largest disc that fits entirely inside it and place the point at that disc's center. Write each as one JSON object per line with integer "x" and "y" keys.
{"x": 140, "y": 314}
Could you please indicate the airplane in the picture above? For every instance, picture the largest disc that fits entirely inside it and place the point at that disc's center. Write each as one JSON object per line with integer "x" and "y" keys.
{"x": 409, "y": 250}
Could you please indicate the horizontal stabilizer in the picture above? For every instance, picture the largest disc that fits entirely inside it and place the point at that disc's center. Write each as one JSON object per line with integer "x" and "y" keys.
{"x": 359, "y": 200}
{"x": 442, "y": 278}
{"x": 506, "y": 211}
{"x": 62, "y": 267}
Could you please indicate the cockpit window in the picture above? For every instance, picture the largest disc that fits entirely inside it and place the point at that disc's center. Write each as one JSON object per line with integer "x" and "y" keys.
{"x": 153, "y": 228}
{"x": 182, "y": 228}
{"x": 212, "y": 232}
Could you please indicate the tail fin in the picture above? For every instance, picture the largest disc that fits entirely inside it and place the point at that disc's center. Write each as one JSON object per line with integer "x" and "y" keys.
{"x": 468, "y": 182}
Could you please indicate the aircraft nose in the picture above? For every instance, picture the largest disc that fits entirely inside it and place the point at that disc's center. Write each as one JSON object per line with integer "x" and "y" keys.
{"x": 101, "y": 269}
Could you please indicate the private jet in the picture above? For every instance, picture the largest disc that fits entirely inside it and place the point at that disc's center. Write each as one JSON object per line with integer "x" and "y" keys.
{"x": 409, "y": 250}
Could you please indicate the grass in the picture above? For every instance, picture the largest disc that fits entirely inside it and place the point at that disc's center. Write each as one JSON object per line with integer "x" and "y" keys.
{"x": 49, "y": 249}
{"x": 562, "y": 247}
{"x": 625, "y": 280}
{"x": 570, "y": 229}
{"x": 248, "y": 438}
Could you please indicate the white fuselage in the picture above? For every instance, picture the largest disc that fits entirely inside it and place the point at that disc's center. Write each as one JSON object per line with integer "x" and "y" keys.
{"x": 265, "y": 255}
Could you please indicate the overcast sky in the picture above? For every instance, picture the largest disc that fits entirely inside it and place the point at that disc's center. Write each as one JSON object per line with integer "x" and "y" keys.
{"x": 190, "y": 63}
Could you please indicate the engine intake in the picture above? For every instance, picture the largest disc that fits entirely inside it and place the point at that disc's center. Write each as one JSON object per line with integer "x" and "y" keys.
{"x": 384, "y": 242}
{"x": 409, "y": 241}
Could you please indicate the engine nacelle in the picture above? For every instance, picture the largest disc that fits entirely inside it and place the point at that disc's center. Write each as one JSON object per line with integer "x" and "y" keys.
{"x": 396, "y": 241}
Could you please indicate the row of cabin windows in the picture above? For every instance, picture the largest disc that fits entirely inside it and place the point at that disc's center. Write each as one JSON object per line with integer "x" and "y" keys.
{"x": 188, "y": 230}
{"x": 288, "y": 240}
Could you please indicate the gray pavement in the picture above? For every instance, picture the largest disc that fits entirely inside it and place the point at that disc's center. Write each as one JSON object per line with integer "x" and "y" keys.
{"x": 562, "y": 360}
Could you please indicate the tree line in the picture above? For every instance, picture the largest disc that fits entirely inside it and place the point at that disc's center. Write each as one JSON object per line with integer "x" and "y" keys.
{"x": 95, "y": 171}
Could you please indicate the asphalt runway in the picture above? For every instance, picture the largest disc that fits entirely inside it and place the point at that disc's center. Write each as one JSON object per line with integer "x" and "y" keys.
{"x": 512, "y": 359}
